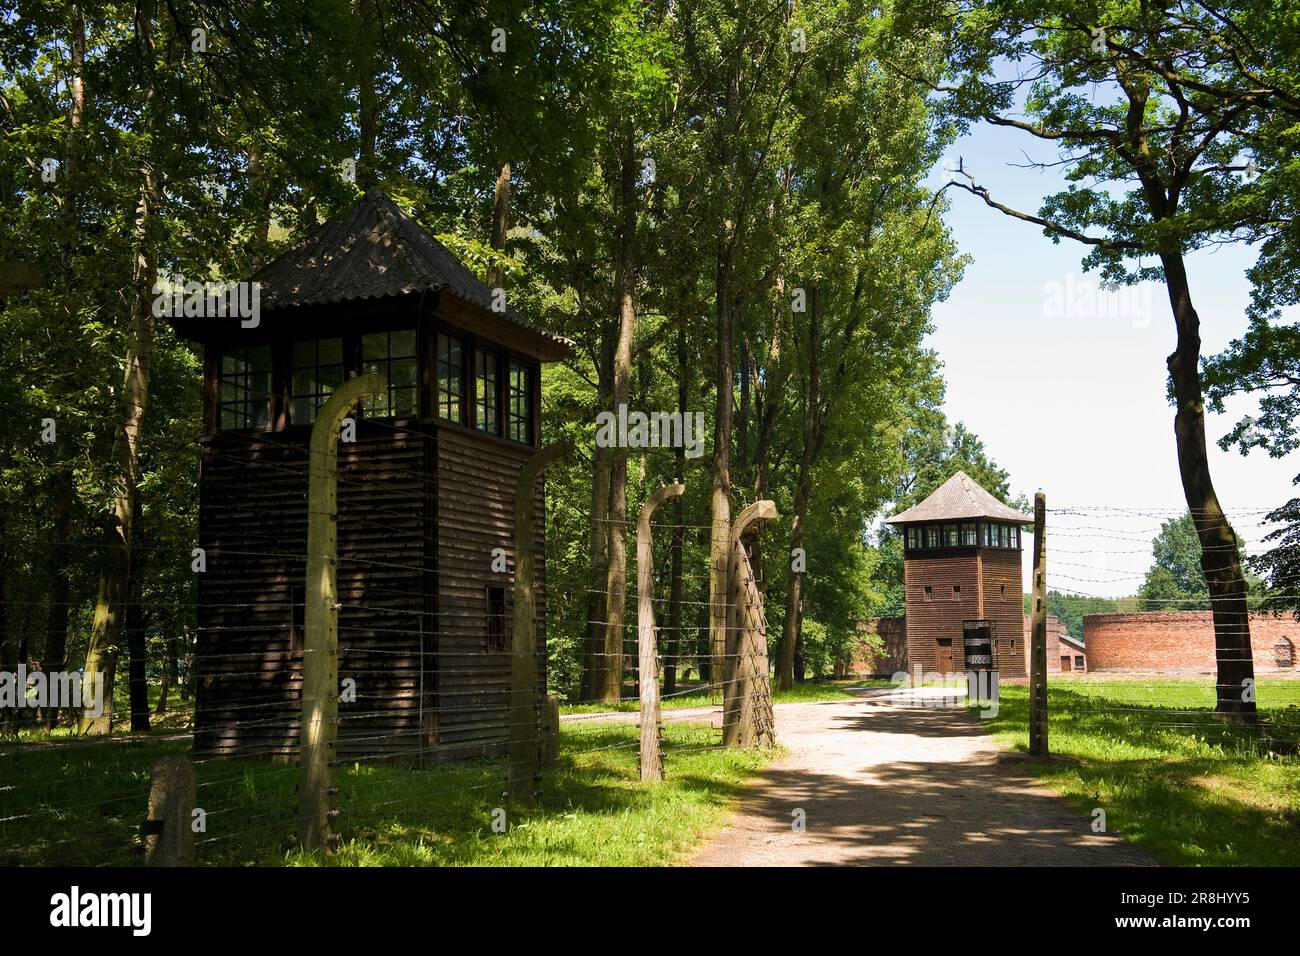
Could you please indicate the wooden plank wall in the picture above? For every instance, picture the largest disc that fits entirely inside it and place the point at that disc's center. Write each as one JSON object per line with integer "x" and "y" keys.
{"x": 477, "y": 476}
{"x": 990, "y": 581}
{"x": 1006, "y": 608}
{"x": 942, "y": 616}
{"x": 253, "y": 526}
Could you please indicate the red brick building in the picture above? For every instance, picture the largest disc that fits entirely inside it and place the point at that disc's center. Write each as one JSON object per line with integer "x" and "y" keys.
{"x": 1065, "y": 654}
{"x": 888, "y": 659}
{"x": 962, "y": 581}
{"x": 1183, "y": 642}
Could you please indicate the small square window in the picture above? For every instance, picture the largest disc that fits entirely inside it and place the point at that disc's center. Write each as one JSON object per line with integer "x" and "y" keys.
{"x": 929, "y": 594}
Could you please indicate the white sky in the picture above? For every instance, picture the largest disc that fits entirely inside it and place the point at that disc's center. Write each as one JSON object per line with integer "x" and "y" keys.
{"x": 1071, "y": 400}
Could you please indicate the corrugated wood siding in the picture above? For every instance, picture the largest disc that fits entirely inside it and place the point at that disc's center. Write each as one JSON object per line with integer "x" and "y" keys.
{"x": 477, "y": 477}
{"x": 979, "y": 574}
{"x": 253, "y": 523}
{"x": 1006, "y": 608}
{"x": 940, "y": 617}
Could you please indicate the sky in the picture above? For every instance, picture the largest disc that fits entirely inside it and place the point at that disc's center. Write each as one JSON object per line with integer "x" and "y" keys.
{"x": 1065, "y": 383}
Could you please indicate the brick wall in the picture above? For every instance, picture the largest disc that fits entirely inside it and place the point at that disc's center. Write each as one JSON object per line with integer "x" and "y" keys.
{"x": 1179, "y": 641}
{"x": 965, "y": 585}
{"x": 890, "y": 660}
{"x": 1056, "y": 629}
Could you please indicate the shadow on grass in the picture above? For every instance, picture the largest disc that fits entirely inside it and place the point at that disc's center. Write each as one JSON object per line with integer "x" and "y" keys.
{"x": 1175, "y": 779}
{"x": 83, "y": 805}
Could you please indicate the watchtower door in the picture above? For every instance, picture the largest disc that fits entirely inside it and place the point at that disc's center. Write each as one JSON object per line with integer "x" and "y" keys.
{"x": 945, "y": 655}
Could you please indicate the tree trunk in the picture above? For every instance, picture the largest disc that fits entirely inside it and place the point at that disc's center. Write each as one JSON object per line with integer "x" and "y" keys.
{"x": 675, "y": 588}
{"x": 616, "y": 578}
{"x": 786, "y": 667}
{"x": 186, "y": 686}
{"x": 598, "y": 548}
{"x": 368, "y": 101}
{"x": 500, "y": 223}
{"x": 1219, "y": 545}
{"x": 137, "y": 672}
{"x": 63, "y": 488}
{"x": 720, "y": 532}
{"x": 54, "y": 654}
{"x": 110, "y": 599}
{"x": 168, "y": 677}
{"x": 8, "y": 651}
{"x": 261, "y": 188}
{"x": 742, "y": 424}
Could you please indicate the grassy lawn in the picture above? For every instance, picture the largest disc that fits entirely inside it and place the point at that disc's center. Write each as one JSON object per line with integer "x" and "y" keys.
{"x": 81, "y": 804}
{"x": 1170, "y": 777}
{"x": 808, "y": 693}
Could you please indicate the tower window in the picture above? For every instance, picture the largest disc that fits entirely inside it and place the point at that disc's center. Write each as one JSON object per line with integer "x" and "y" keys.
{"x": 521, "y": 402}
{"x": 485, "y": 391}
{"x": 317, "y": 371}
{"x": 393, "y": 355}
{"x": 451, "y": 370}
{"x": 246, "y": 388}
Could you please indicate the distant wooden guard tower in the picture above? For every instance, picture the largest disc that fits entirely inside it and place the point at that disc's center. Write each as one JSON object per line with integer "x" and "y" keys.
{"x": 962, "y": 581}
{"x": 426, "y": 493}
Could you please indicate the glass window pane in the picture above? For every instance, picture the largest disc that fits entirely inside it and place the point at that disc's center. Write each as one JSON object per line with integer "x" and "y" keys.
{"x": 404, "y": 402}
{"x": 329, "y": 378}
{"x": 374, "y": 345}
{"x": 402, "y": 373}
{"x": 331, "y": 352}
{"x": 521, "y": 399}
{"x": 402, "y": 344}
{"x": 449, "y": 377}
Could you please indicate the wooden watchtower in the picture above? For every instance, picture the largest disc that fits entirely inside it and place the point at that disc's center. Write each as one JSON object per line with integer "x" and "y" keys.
{"x": 426, "y": 493}
{"x": 962, "y": 581}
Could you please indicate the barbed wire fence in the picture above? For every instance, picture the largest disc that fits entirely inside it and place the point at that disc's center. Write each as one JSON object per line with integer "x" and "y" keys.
{"x": 84, "y": 801}
{"x": 1152, "y": 677}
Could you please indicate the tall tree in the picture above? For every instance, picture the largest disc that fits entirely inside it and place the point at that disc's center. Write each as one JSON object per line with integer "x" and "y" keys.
{"x": 1157, "y": 111}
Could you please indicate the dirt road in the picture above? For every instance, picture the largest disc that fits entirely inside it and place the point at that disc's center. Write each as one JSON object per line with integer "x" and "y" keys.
{"x": 881, "y": 784}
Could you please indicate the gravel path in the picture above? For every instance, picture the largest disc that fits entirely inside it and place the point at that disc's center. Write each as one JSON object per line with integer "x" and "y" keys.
{"x": 880, "y": 784}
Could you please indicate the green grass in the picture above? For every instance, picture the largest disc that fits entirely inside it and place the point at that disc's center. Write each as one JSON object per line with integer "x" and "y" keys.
{"x": 1170, "y": 776}
{"x": 806, "y": 693}
{"x": 81, "y": 804}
